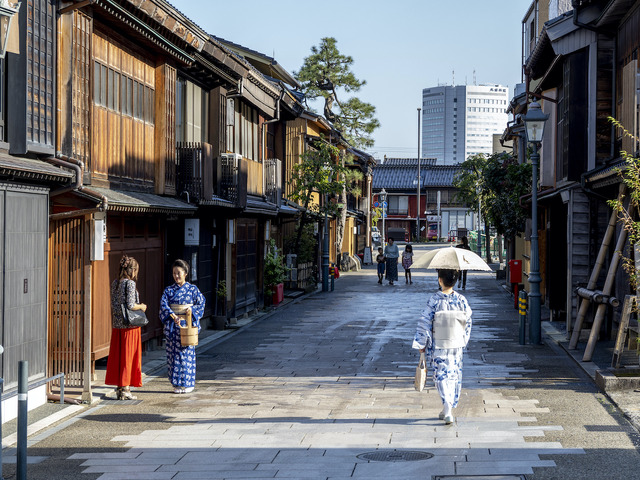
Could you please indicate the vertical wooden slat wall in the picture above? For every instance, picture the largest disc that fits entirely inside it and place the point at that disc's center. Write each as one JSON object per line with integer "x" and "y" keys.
{"x": 66, "y": 300}
{"x": 165, "y": 130}
{"x": 81, "y": 44}
{"x": 41, "y": 25}
{"x": 294, "y": 138}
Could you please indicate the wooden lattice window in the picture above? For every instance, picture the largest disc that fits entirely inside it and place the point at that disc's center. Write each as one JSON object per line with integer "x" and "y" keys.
{"x": 81, "y": 117}
{"x": 40, "y": 71}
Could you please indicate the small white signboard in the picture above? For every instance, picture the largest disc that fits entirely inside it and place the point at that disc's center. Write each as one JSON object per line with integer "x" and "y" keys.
{"x": 367, "y": 256}
{"x": 192, "y": 231}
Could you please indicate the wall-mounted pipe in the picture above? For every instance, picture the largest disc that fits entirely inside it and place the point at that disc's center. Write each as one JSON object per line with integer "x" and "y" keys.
{"x": 78, "y": 166}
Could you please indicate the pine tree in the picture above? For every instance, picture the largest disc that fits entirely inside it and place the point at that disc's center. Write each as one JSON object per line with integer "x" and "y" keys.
{"x": 326, "y": 73}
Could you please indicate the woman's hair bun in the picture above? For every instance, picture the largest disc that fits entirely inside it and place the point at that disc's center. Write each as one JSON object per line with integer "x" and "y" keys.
{"x": 125, "y": 261}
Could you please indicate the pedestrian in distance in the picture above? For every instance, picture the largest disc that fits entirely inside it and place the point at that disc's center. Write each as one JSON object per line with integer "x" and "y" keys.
{"x": 181, "y": 297}
{"x": 124, "y": 364}
{"x": 407, "y": 261}
{"x": 391, "y": 254}
{"x": 381, "y": 264}
{"x": 462, "y": 281}
{"x": 443, "y": 331}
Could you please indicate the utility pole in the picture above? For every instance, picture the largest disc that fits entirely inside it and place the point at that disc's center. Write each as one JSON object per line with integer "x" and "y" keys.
{"x": 418, "y": 196}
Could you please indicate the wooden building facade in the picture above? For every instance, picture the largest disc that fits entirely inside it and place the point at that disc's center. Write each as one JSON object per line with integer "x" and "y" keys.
{"x": 583, "y": 70}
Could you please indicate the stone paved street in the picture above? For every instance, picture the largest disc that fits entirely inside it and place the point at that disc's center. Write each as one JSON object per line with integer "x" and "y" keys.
{"x": 304, "y": 393}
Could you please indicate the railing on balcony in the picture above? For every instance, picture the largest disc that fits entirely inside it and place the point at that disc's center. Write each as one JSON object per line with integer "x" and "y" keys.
{"x": 195, "y": 170}
{"x": 228, "y": 177}
{"x": 202, "y": 177}
{"x": 273, "y": 180}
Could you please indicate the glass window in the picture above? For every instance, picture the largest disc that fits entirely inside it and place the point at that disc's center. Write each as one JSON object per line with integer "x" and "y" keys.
{"x": 152, "y": 106}
{"x": 116, "y": 91}
{"x": 96, "y": 83}
{"x": 123, "y": 95}
{"x": 130, "y": 96}
{"x": 180, "y": 110}
{"x": 110, "y": 98}
{"x": 103, "y": 86}
{"x": 140, "y": 114}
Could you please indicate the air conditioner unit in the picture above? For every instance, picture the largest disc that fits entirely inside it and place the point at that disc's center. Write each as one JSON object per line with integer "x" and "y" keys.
{"x": 235, "y": 157}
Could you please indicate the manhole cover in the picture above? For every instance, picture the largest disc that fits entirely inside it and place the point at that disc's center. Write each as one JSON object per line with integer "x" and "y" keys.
{"x": 395, "y": 456}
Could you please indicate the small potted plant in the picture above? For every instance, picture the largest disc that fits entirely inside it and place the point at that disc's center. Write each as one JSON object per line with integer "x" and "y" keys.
{"x": 275, "y": 273}
{"x": 220, "y": 320}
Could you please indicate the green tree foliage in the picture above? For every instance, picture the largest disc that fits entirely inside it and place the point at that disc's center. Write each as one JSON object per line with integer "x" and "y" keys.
{"x": 498, "y": 182}
{"x": 505, "y": 182}
{"x": 319, "y": 172}
{"x": 628, "y": 206}
{"x": 326, "y": 73}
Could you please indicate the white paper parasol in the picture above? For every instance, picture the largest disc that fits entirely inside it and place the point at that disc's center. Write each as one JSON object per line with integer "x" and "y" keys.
{"x": 452, "y": 258}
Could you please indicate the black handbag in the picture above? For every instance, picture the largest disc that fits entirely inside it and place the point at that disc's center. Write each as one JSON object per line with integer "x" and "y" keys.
{"x": 133, "y": 318}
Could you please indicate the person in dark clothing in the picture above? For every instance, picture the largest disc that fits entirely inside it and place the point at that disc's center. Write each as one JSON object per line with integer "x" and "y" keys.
{"x": 462, "y": 281}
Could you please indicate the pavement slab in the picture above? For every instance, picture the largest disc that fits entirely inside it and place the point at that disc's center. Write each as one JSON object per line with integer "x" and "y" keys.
{"x": 305, "y": 391}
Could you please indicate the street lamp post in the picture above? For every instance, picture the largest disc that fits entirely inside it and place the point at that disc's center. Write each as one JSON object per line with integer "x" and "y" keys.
{"x": 382, "y": 198}
{"x": 325, "y": 244}
{"x": 325, "y": 251}
{"x": 534, "y": 122}
{"x": 479, "y": 242}
{"x": 418, "y": 196}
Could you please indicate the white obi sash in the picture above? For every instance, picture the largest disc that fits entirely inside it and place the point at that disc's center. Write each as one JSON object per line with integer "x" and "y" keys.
{"x": 448, "y": 329}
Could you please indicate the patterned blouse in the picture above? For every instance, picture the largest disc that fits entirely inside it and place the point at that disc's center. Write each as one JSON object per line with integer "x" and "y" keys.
{"x": 122, "y": 291}
{"x": 440, "y": 301}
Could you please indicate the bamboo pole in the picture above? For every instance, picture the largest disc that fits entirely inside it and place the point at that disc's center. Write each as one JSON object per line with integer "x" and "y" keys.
{"x": 608, "y": 285}
{"x": 595, "y": 273}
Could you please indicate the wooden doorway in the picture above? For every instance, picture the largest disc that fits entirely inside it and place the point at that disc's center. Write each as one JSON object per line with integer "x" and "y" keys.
{"x": 66, "y": 299}
{"x": 246, "y": 264}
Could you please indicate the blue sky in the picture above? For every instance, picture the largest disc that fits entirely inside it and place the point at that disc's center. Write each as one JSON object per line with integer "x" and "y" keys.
{"x": 398, "y": 47}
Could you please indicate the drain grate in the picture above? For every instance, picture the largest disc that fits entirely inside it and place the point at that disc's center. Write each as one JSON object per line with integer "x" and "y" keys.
{"x": 395, "y": 456}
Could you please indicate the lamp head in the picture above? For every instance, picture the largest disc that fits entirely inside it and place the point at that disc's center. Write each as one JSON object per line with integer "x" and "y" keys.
{"x": 534, "y": 121}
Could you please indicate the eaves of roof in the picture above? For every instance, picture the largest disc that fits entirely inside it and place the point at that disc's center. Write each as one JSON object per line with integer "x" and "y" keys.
{"x": 402, "y": 177}
{"x": 33, "y": 170}
{"x": 540, "y": 52}
{"x": 615, "y": 11}
{"x": 267, "y": 65}
{"x": 138, "y": 202}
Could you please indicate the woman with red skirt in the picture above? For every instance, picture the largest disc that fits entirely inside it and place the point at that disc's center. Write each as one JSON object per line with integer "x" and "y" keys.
{"x": 124, "y": 365}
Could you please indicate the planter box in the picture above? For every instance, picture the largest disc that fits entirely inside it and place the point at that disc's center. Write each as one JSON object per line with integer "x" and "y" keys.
{"x": 278, "y": 294}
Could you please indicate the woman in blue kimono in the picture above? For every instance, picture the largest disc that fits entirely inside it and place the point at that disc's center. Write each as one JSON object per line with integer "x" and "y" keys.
{"x": 181, "y": 361}
{"x": 449, "y": 314}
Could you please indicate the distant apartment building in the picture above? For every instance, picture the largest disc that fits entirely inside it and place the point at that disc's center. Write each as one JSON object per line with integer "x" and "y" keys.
{"x": 459, "y": 121}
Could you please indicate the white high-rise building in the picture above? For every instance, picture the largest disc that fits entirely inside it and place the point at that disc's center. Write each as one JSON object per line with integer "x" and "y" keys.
{"x": 459, "y": 121}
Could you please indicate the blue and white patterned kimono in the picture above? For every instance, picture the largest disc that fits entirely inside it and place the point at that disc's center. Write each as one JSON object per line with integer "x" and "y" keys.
{"x": 181, "y": 361}
{"x": 446, "y": 362}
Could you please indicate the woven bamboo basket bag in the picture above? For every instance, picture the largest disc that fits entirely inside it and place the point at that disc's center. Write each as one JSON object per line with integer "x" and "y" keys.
{"x": 188, "y": 334}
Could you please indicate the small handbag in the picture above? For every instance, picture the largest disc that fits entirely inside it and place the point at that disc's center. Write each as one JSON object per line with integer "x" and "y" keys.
{"x": 421, "y": 373}
{"x": 133, "y": 318}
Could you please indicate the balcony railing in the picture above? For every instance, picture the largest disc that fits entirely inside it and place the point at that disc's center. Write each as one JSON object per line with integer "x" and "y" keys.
{"x": 195, "y": 170}
{"x": 202, "y": 177}
{"x": 231, "y": 174}
{"x": 273, "y": 180}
